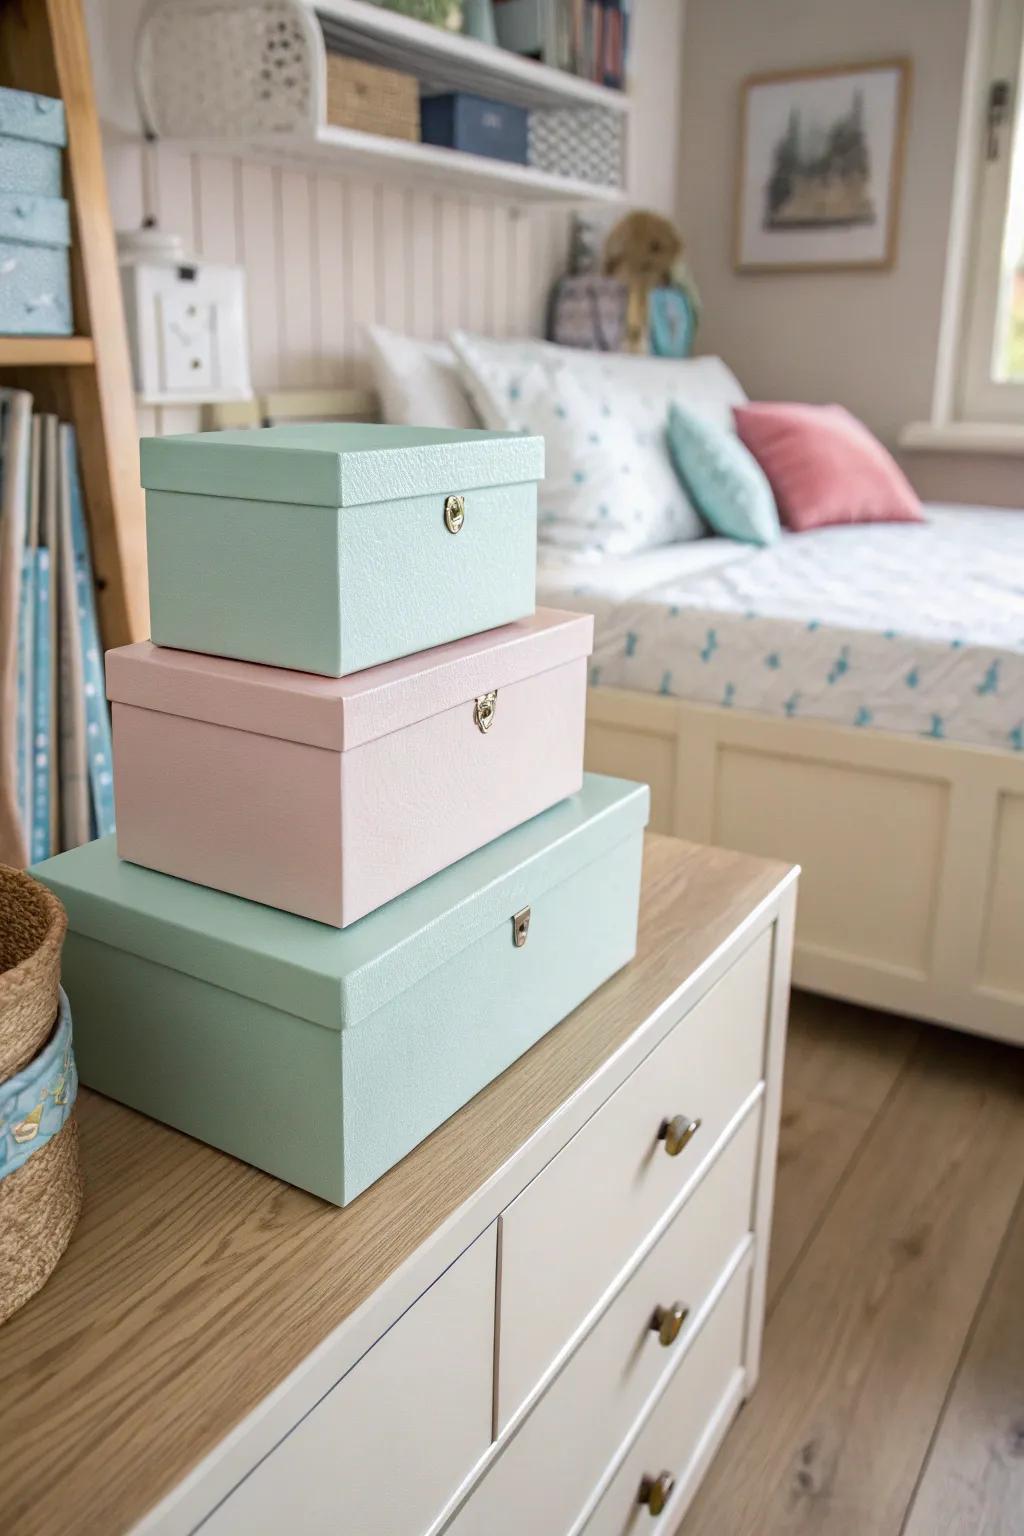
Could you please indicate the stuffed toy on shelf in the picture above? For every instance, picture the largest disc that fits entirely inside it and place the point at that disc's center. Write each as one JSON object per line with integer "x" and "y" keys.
{"x": 629, "y": 288}
{"x": 645, "y": 252}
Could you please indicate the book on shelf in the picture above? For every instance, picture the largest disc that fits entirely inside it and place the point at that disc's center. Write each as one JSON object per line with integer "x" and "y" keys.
{"x": 56, "y": 783}
{"x": 99, "y": 748}
{"x": 17, "y": 580}
{"x": 72, "y": 758}
{"x": 584, "y": 37}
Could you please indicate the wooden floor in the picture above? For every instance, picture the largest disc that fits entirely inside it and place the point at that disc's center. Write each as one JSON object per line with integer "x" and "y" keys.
{"x": 891, "y": 1400}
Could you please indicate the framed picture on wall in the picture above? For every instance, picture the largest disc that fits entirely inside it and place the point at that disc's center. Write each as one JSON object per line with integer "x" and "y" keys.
{"x": 821, "y": 158}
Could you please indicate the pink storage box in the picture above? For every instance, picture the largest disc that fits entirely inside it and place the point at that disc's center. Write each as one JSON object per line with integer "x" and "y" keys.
{"x": 329, "y": 796}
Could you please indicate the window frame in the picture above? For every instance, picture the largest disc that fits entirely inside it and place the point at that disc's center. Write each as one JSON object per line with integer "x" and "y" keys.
{"x": 982, "y": 397}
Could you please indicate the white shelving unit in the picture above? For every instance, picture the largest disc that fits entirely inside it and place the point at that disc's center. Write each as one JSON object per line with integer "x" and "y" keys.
{"x": 447, "y": 61}
{"x": 249, "y": 76}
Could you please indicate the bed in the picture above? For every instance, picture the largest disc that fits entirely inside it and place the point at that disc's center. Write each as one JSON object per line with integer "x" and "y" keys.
{"x": 802, "y": 702}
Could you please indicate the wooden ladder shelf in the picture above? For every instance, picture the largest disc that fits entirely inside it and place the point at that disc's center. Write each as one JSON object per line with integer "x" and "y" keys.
{"x": 86, "y": 378}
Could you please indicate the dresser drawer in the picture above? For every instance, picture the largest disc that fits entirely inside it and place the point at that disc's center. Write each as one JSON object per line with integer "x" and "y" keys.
{"x": 675, "y": 1439}
{"x": 543, "y": 1479}
{"x": 387, "y": 1447}
{"x": 569, "y": 1234}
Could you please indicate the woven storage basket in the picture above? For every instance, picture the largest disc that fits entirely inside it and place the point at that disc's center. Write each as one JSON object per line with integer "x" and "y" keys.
{"x": 41, "y": 1198}
{"x": 32, "y": 928}
{"x": 372, "y": 99}
{"x": 39, "y": 1206}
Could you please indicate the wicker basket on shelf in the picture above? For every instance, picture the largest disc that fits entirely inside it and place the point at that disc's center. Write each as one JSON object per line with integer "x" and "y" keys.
{"x": 40, "y": 1179}
{"x": 371, "y": 98}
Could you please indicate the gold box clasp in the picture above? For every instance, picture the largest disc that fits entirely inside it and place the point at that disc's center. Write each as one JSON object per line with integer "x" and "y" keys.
{"x": 483, "y": 710}
{"x": 454, "y": 513}
{"x": 520, "y": 927}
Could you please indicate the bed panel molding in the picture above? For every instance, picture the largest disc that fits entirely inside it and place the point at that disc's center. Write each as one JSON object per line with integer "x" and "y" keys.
{"x": 1001, "y": 966}
{"x": 912, "y": 898}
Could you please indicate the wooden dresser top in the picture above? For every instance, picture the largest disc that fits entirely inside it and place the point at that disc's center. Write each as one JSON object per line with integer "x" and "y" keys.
{"x": 194, "y": 1284}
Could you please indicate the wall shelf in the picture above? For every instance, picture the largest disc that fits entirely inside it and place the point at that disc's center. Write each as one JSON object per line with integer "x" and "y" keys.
{"x": 348, "y": 149}
{"x": 447, "y": 61}
{"x": 228, "y": 78}
{"x": 46, "y": 351}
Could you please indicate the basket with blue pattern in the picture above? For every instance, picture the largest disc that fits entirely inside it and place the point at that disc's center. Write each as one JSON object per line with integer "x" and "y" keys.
{"x": 40, "y": 1177}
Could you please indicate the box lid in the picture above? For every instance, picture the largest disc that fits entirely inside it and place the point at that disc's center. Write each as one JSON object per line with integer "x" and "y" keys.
{"x": 338, "y": 464}
{"x": 344, "y": 712}
{"x": 337, "y": 977}
{"x": 24, "y": 115}
{"x": 34, "y": 220}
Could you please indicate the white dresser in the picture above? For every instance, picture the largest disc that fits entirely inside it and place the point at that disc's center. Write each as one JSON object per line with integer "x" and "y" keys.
{"x": 543, "y": 1320}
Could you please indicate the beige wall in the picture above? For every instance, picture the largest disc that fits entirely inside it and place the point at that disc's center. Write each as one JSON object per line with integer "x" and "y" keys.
{"x": 655, "y": 121}
{"x": 867, "y": 340}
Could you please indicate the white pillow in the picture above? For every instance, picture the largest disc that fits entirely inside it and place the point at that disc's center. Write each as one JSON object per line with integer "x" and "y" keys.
{"x": 610, "y": 485}
{"x": 418, "y": 382}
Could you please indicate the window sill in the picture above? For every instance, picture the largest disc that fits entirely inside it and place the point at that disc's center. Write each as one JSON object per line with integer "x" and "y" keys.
{"x": 995, "y": 438}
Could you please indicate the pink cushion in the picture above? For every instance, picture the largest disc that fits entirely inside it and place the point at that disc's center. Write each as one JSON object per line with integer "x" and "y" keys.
{"x": 824, "y": 466}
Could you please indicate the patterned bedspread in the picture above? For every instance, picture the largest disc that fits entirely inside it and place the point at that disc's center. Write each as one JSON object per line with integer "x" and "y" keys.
{"x": 896, "y": 627}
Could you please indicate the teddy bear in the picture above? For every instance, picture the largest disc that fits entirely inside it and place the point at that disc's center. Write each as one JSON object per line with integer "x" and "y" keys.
{"x": 645, "y": 252}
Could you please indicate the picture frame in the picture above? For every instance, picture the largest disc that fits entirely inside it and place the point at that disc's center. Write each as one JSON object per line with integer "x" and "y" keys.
{"x": 820, "y": 167}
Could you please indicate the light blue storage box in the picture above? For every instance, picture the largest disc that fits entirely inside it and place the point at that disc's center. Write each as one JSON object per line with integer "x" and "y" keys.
{"x": 332, "y": 547}
{"x": 32, "y": 135}
{"x": 322, "y": 1055}
{"x": 35, "y": 282}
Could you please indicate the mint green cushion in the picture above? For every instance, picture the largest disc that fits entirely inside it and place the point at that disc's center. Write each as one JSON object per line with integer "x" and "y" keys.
{"x": 727, "y": 483}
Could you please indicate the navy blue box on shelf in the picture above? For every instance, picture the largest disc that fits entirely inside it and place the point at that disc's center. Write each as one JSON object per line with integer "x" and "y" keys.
{"x": 476, "y": 125}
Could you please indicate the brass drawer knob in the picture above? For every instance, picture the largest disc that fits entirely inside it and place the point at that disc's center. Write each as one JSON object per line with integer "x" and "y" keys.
{"x": 454, "y": 513}
{"x": 677, "y": 1133}
{"x": 667, "y": 1322}
{"x": 655, "y": 1492}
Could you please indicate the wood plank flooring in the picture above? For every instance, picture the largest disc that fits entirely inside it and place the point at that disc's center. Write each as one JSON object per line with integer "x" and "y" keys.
{"x": 891, "y": 1400}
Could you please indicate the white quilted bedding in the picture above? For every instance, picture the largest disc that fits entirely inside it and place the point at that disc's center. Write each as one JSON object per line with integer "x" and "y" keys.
{"x": 894, "y": 626}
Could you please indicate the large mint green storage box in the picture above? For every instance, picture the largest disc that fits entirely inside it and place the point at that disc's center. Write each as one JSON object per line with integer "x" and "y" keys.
{"x": 332, "y": 547}
{"x": 322, "y": 1055}
{"x": 32, "y": 135}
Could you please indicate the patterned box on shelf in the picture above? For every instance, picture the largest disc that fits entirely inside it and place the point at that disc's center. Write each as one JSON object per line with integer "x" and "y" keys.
{"x": 325, "y": 1056}
{"x": 32, "y": 135}
{"x": 476, "y": 125}
{"x": 35, "y": 278}
{"x": 329, "y": 796}
{"x": 585, "y": 143}
{"x": 332, "y": 547}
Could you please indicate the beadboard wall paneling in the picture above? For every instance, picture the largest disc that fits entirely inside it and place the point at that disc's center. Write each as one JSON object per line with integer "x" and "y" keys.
{"x": 325, "y": 255}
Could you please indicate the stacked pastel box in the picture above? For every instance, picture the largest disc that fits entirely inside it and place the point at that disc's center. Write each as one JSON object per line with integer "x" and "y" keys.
{"x": 35, "y": 229}
{"x": 359, "y": 868}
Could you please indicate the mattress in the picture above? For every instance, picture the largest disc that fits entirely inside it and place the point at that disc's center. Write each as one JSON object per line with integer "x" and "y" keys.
{"x": 914, "y": 628}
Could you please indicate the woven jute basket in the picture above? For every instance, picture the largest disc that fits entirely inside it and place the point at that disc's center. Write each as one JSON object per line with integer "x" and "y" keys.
{"x": 32, "y": 928}
{"x": 372, "y": 98}
{"x": 41, "y": 1200}
{"x": 39, "y": 1206}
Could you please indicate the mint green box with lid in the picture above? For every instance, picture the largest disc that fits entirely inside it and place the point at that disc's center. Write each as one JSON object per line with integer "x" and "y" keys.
{"x": 324, "y": 1056}
{"x": 331, "y": 547}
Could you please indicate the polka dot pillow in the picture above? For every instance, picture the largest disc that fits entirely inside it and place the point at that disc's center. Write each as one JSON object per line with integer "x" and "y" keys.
{"x": 609, "y": 486}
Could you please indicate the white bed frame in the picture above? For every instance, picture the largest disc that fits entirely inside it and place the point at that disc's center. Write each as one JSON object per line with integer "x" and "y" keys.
{"x": 912, "y": 896}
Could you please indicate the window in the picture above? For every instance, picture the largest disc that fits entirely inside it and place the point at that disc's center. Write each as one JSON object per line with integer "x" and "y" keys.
{"x": 992, "y": 375}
